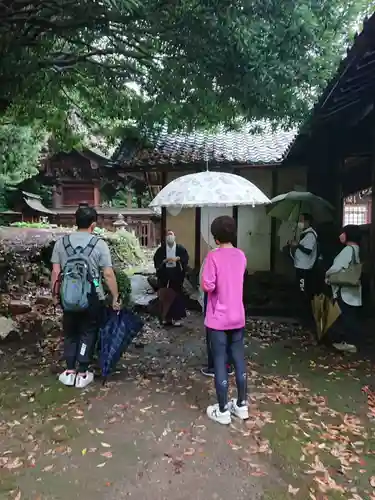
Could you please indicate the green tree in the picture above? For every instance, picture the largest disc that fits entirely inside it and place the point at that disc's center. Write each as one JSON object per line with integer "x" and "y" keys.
{"x": 20, "y": 149}
{"x": 187, "y": 63}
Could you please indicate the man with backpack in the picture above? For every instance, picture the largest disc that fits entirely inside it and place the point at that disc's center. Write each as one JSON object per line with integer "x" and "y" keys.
{"x": 79, "y": 261}
{"x": 305, "y": 253}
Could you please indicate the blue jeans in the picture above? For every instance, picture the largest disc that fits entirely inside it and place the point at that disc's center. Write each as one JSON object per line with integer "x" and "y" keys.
{"x": 233, "y": 340}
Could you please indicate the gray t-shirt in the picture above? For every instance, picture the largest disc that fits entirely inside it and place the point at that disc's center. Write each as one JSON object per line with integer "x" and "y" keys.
{"x": 100, "y": 256}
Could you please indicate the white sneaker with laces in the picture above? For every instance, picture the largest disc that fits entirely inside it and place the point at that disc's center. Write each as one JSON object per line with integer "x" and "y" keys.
{"x": 68, "y": 378}
{"x": 83, "y": 380}
{"x": 214, "y": 413}
{"x": 241, "y": 412}
{"x": 343, "y": 346}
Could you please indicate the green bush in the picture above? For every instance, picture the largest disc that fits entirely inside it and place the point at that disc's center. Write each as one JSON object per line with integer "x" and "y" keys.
{"x": 125, "y": 249}
{"x": 124, "y": 286}
{"x": 34, "y": 225}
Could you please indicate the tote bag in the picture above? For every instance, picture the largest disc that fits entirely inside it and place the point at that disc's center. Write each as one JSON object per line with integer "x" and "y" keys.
{"x": 348, "y": 277}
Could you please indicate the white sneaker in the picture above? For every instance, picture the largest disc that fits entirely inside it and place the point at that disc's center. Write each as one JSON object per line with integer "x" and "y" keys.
{"x": 83, "y": 381}
{"x": 67, "y": 378}
{"x": 343, "y": 346}
{"x": 214, "y": 413}
{"x": 241, "y": 412}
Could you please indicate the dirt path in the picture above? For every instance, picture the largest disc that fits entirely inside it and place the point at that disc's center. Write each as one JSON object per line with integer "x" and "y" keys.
{"x": 311, "y": 433}
{"x": 144, "y": 436}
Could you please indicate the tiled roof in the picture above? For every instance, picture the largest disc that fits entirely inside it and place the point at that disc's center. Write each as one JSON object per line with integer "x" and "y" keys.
{"x": 235, "y": 148}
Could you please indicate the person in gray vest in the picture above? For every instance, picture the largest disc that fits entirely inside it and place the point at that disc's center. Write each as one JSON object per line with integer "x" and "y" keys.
{"x": 305, "y": 255}
{"x": 79, "y": 262}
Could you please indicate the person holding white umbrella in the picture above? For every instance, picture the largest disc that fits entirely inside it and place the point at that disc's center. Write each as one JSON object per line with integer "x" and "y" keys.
{"x": 209, "y": 189}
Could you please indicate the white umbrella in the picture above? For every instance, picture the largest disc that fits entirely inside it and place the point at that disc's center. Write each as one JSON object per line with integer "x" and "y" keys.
{"x": 209, "y": 189}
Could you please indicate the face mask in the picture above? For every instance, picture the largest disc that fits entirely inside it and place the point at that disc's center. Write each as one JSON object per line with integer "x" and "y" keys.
{"x": 301, "y": 225}
{"x": 171, "y": 239}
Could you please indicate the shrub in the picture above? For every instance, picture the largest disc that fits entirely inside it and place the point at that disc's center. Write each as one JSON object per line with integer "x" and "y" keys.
{"x": 125, "y": 249}
{"x": 124, "y": 286}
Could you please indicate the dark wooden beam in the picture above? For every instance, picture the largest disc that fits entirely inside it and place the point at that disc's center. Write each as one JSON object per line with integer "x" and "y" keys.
{"x": 372, "y": 230}
{"x": 163, "y": 226}
{"x": 197, "y": 247}
{"x": 274, "y": 192}
{"x": 235, "y": 217}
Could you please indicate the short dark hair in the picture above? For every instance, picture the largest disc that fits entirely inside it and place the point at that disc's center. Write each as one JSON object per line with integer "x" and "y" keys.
{"x": 308, "y": 217}
{"x": 85, "y": 216}
{"x": 353, "y": 233}
{"x": 224, "y": 229}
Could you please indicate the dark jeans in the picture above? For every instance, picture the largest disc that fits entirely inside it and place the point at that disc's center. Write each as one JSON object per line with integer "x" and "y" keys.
{"x": 233, "y": 340}
{"x": 210, "y": 357}
{"x": 306, "y": 284}
{"x": 347, "y": 327}
{"x": 80, "y": 335}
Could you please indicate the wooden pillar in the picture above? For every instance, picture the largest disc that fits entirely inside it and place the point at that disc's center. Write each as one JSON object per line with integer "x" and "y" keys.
{"x": 273, "y": 239}
{"x": 97, "y": 199}
{"x": 197, "y": 247}
{"x": 129, "y": 199}
{"x": 372, "y": 233}
{"x": 235, "y": 217}
{"x": 163, "y": 227}
{"x": 339, "y": 201}
{"x": 324, "y": 180}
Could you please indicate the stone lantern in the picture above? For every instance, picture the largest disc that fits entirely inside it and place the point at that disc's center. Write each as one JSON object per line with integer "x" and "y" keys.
{"x": 120, "y": 223}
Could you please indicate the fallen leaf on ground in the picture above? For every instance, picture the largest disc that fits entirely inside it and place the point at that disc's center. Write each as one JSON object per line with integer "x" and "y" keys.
{"x": 48, "y": 468}
{"x": 105, "y": 445}
{"x": 293, "y": 491}
{"x": 84, "y": 451}
{"x": 101, "y": 465}
{"x": 58, "y": 428}
{"x": 107, "y": 454}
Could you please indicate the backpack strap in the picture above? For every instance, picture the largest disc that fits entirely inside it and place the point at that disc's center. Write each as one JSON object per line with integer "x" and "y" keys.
{"x": 87, "y": 251}
{"x": 68, "y": 246}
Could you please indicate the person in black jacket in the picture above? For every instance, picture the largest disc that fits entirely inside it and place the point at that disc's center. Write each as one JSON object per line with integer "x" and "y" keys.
{"x": 171, "y": 260}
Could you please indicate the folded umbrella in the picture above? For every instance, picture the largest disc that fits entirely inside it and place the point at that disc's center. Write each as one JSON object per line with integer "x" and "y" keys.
{"x": 166, "y": 298}
{"x": 117, "y": 333}
{"x": 326, "y": 311}
{"x": 317, "y": 306}
{"x": 332, "y": 312}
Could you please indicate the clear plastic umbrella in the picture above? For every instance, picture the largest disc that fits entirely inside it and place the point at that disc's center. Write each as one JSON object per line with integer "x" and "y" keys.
{"x": 209, "y": 189}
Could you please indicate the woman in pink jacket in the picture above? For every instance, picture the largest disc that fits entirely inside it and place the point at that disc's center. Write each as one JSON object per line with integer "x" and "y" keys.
{"x": 222, "y": 279}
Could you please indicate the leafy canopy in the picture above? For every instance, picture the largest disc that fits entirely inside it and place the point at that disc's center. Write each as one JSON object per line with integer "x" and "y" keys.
{"x": 20, "y": 149}
{"x": 186, "y": 63}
